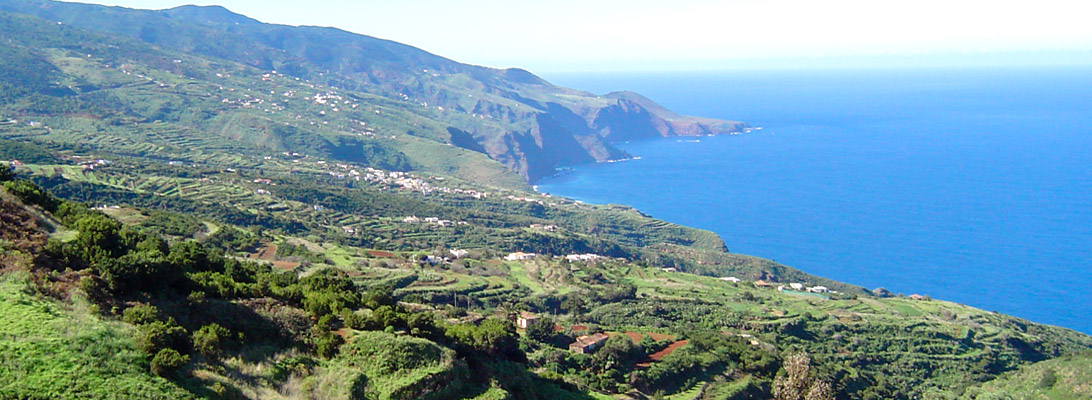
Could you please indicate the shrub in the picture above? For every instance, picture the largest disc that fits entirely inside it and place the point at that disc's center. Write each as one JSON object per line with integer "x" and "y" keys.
{"x": 167, "y": 362}
{"x": 159, "y": 335}
{"x": 327, "y": 344}
{"x": 1049, "y": 379}
{"x": 209, "y": 340}
{"x": 140, "y": 314}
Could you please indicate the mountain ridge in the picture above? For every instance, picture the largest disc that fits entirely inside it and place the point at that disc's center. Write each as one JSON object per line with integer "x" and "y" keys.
{"x": 526, "y": 127}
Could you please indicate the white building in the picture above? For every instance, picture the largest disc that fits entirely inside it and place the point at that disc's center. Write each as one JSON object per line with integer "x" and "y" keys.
{"x": 583, "y": 257}
{"x": 519, "y": 256}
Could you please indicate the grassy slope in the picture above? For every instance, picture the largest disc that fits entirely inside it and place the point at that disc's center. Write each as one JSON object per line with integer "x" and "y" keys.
{"x": 50, "y": 351}
{"x": 379, "y": 365}
{"x": 1072, "y": 380}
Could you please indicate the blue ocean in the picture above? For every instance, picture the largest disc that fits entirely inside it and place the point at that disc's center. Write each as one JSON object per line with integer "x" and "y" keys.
{"x": 968, "y": 185}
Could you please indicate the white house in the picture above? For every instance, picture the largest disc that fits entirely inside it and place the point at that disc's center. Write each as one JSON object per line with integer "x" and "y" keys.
{"x": 525, "y": 319}
{"x": 519, "y": 256}
{"x": 818, "y": 289}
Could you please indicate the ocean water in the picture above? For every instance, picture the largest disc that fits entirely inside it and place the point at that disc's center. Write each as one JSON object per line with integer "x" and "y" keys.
{"x": 968, "y": 185}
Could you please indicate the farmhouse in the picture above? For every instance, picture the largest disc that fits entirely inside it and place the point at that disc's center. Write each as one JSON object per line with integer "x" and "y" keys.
{"x": 587, "y": 344}
{"x": 762, "y": 284}
{"x": 818, "y": 289}
{"x": 730, "y": 279}
{"x": 525, "y": 319}
{"x": 519, "y": 256}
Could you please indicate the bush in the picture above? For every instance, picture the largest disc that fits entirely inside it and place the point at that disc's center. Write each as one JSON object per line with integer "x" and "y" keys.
{"x": 140, "y": 314}
{"x": 327, "y": 344}
{"x": 1049, "y": 379}
{"x": 167, "y": 362}
{"x": 209, "y": 340}
{"x": 158, "y": 335}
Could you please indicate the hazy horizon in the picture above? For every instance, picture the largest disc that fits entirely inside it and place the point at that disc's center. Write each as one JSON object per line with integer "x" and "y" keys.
{"x": 699, "y": 35}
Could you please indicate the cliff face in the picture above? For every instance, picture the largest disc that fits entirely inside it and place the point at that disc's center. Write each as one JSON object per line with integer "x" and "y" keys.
{"x": 513, "y": 116}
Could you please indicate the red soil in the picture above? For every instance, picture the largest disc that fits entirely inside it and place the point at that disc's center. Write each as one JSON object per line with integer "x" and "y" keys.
{"x": 382, "y": 254}
{"x": 659, "y": 355}
{"x": 268, "y": 253}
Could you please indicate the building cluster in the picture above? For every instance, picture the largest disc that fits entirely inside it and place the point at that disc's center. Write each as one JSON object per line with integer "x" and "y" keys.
{"x": 411, "y": 183}
{"x": 413, "y": 219}
{"x": 528, "y": 199}
{"x": 92, "y": 164}
{"x": 583, "y": 257}
{"x": 584, "y": 344}
{"x": 546, "y": 228}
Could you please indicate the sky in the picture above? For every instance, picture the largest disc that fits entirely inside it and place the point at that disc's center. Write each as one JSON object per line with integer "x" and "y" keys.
{"x": 645, "y": 35}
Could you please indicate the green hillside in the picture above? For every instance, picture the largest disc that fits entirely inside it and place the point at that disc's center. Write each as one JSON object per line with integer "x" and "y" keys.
{"x": 1063, "y": 378}
{"x": 514, "y": 117}
{"x": 321, "y": 320}
{"x": 206, "y": 206}
{"x": 184, "y": 132}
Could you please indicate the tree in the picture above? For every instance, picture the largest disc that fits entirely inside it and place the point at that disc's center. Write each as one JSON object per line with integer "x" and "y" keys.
{"x": 99, "y": 236}
{"x": 423, "y": 325}
{"x": 6, "y": 172}
{"x": 494, "y": 337}
{"x": 618, "y": 352}
{"x": 379, "y": 295}
{"x": 799, "y": 383}
{"x": 542, "y": 330}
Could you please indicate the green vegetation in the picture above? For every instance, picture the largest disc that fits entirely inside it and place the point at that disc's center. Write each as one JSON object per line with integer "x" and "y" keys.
{"x": 49, "y": 352}
{"x": 196, "y": 309}
{"x": 1063, "y": 378}
{"x": 188, "y": 223}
